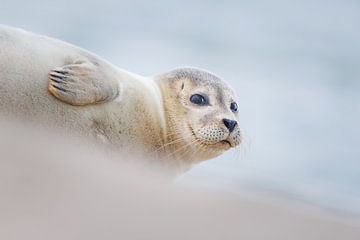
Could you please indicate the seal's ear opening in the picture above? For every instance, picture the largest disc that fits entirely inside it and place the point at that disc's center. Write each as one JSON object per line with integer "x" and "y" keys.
{"x": 182, "y": 86}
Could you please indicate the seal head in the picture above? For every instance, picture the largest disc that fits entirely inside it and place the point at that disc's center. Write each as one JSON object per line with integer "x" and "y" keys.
{"x": 202, "y": 114}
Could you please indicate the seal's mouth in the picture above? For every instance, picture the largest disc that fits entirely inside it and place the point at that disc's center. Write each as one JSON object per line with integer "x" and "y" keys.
{"x": 223, "y": 144}
{"x": 227, "y": 142}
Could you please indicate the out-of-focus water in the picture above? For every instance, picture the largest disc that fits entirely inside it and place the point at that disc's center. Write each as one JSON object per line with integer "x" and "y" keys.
{"x": 294, "y": 65}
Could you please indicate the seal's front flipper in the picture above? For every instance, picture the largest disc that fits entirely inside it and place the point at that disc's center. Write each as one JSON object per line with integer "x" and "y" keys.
{"x": 82, "y": 83}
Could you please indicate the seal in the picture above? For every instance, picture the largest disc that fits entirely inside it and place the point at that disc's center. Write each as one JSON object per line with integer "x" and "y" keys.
{"x": 181, "y": 117}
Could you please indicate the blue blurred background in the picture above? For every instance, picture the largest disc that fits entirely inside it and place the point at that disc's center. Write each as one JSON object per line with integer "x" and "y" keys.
{"x": 294, "y": 64}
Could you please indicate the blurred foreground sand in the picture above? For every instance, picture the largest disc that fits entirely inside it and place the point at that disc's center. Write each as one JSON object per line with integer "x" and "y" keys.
{"x": 53, "y": 187}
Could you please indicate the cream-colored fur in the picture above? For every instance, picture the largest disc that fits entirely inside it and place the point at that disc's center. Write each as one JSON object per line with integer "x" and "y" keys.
{"x": 55, "y": 84}
{"x": 25, "y": 62}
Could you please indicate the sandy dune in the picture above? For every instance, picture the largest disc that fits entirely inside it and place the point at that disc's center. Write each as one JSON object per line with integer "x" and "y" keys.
{"x": 54, "y": 188}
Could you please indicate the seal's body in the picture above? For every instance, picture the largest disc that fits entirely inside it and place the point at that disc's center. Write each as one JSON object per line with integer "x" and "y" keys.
{"x": 57, "y": 84}
{"x": 25, "y": 62}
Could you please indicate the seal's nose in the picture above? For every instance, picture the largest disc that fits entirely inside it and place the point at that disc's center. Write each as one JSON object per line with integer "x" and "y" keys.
{"x": 230, "y": 124}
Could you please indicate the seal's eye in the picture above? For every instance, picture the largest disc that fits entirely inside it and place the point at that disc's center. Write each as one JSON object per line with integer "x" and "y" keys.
{"x": 234, "y": 107}
{"x": 199, "y": 99}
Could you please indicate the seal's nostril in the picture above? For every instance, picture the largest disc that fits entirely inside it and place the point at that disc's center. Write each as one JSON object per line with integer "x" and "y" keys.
{"x": 230, "y": 124}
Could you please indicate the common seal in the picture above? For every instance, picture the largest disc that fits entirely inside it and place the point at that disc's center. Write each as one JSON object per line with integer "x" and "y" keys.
{"x": 183, "y": 116}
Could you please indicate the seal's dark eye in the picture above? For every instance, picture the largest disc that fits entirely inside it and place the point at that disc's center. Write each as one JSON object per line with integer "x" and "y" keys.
{"x": 199, "y": 99}
{"x": 234, "y": 107}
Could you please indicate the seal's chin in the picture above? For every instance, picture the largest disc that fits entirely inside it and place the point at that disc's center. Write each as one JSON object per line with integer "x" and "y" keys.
{"x": 213, "y": 150}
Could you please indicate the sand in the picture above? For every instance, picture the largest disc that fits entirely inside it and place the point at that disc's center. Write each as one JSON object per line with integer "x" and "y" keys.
{"x": 54, "y": 188}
